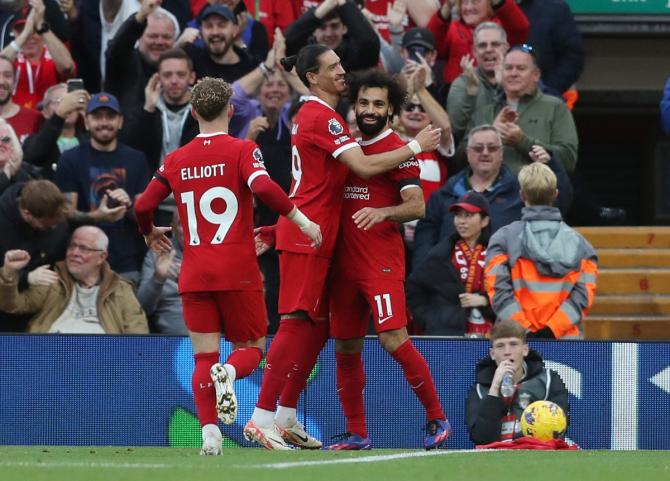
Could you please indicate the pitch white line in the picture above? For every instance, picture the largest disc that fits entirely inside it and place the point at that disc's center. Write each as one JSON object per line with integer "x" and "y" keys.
{"x": 364, "y": 459}
{"x": 73, "y": 464}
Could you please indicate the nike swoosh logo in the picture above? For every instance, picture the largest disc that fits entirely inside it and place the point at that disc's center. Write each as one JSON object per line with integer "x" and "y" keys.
{"x": 384, "y": 319}
{"x": 301, "y": 438}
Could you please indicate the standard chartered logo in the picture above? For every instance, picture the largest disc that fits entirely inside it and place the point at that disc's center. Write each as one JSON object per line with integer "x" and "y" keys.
{"x": 356, "y": 192}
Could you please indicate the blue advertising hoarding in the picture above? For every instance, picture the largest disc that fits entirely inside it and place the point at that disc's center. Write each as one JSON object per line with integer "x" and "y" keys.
{"x": 136, "y": 391}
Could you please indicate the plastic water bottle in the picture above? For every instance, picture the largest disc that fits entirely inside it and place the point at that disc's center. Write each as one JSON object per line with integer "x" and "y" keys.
{"x": 507, "y": 386}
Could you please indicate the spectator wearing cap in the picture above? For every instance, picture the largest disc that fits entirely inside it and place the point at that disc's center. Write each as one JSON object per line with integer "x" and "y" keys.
{"x": 341, "y": 26}
{"x": 129, "y": 67}
{"x": 487, "y": 175}
{"x": 416, "y": 51}
{"x": 221, "y": 57}
{"x": 252, "y": 32}
{"x": 40, "y": 57}
{"x": 101, "y": 179}
{"x": 446, "y": 293}
{"x": 540, "y": 272}
{"x": 60, "y": 131}
{"x": 454, "y": 36}
{"x": 24, "y": 121}
{"x": 526, "y": 117}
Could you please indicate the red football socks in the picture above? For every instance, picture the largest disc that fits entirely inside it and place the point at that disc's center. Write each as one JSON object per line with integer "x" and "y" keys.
{"x": 245, "y": 360}
{"x": 418, "y": 376}
{"x": 203, "y": 388}
{"x": 311, "y": 339}
{"x": 280, "y": 360}
{"x": 350, "y": 385}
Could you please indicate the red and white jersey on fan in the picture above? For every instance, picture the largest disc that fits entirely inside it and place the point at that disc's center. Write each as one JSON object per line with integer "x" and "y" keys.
{"x": 318, "y": 137}
{"x": 377, "y": 253}
{"x": 433, "y": 172}
{"x": 210, "y": 179}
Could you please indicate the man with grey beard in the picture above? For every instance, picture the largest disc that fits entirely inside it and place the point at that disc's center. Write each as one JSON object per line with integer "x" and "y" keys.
{"x": 220, "y": 58}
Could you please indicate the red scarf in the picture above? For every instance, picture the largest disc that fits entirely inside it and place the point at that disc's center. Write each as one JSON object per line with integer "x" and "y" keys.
{"x": 470, "y": 265}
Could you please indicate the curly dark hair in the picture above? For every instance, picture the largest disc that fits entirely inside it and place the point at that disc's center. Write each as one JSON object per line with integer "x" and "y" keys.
{"x": 210, "y": 97}
{"x": 375, "y": 77}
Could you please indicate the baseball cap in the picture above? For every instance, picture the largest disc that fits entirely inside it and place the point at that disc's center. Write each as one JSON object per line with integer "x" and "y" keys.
{"x": 418, "y": 37}
{"x": 472, "y": 202}
{"x": 220, "y": 10}
{"x": 103, "y": 100}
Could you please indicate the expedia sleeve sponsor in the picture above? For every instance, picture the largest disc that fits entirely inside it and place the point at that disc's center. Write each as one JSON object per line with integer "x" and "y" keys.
{"x": 409, "y": 163}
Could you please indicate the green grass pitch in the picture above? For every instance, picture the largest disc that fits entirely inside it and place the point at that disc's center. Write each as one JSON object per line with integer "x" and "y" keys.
{"x": 49, "y": 463}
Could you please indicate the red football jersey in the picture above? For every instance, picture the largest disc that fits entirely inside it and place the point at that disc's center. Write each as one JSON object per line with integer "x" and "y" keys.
{"x": 433, "y": 172}
{"x": 210, "y": 178}
{"x": 377, "y": 253}
{"x": 318, "y": 137}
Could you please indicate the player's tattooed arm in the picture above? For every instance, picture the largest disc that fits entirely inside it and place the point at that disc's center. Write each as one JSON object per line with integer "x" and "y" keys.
{"x": 412, "y": 207}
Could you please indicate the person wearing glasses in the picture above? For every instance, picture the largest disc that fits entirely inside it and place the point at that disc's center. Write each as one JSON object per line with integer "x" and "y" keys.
{"x": 487, "y": 174}
{"x": 454, "y": 36}
{"x": 479, "y": 84}
{"x": 421, "y": 110}
{"x": 525, "y": 116}
{"x": 84, "y": 296}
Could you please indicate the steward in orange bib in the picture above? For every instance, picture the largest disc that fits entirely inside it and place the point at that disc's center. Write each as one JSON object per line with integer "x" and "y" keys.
{"x": 539, "y": 271}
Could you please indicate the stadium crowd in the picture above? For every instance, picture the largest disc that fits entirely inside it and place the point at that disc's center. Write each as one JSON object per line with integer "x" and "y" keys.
{"x": 95, "y": 95}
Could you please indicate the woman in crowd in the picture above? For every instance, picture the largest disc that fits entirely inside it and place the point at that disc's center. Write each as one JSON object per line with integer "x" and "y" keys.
{"x": 445, "y": 293}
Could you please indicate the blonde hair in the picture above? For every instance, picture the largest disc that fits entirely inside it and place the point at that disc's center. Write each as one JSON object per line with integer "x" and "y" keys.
{"x": 210, "y": 97}
{"x": 538, "y": 184}
{"x": 508, "y": 328}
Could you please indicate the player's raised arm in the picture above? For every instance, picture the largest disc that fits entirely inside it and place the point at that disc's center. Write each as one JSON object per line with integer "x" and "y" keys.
{"x": 274, "y": 197}
{"x": 366, "y": 166}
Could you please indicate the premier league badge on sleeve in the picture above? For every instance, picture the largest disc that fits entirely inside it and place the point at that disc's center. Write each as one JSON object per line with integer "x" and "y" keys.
{"x": 334, "y": 127}
{"x": 258, "y": 156}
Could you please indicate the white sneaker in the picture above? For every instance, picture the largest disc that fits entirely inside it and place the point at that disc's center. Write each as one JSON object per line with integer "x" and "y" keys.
{"x": 297, "y": 436}
{"x": 211, "y": 441}
{"x": 226, "y": 401}
{"x": 269, "y": 438}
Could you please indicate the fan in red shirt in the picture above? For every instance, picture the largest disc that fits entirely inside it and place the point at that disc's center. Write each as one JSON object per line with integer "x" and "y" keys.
{"x": 369, "y": 266}
{"x": 322, "y": 149}
{"x": 213, "y": 179}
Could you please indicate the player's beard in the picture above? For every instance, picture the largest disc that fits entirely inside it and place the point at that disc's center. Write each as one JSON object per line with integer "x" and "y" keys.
{"x": 371, "y": 130}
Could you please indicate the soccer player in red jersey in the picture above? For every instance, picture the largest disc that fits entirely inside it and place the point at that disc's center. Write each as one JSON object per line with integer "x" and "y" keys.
{"x": 322, "y": 149}
{"x": 213, "y": 179}
{"x": 368, "y": 271}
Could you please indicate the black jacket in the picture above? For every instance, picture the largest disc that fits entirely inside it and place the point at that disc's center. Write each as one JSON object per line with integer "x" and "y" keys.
{"x": 127, "y": 72}
{"x": 143, "y": 131}
{"x": 41, "y": 148}
{"x": 484, "y": 413}
{"x": 432, "y": 293}
{"x": 44, "y": 246}
{"x": 359, "y": 48}
{"x": 556, "y": 39}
